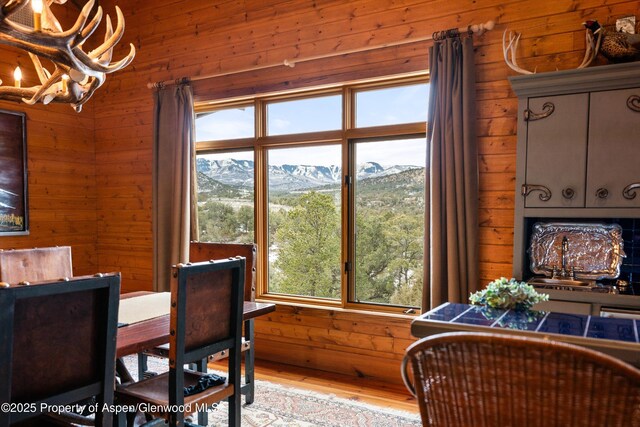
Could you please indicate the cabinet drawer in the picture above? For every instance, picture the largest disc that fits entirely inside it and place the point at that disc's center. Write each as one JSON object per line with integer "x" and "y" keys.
{"x": 564, "y": 307}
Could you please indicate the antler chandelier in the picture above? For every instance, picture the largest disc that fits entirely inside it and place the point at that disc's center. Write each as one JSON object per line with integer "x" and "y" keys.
{"x": 76, "y": 74}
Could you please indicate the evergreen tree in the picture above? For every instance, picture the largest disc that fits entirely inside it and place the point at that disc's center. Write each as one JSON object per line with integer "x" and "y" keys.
{"x": 406, "y": 235}
{"x": 373, "y": 255}
{"x": 308, "y": 243}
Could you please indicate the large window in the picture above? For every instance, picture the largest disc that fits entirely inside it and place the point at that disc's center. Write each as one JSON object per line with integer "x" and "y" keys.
{"x": 225, "y": 197}
{"x": 226, "y": 123}
{"x": 329, "y": 183}
{"x": 301, "y": 115}
{"x": 389, "y": 220}
{"x": 304, "y": 187}
{"x": 391, "y": 105}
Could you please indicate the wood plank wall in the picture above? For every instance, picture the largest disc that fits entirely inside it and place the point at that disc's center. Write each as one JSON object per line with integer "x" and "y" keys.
{"x": 199, "y": 37}
{"x": 61, "y": 170}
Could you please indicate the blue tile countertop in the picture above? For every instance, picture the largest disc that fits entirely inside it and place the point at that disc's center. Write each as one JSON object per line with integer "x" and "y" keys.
{"x": 617, "y": 337}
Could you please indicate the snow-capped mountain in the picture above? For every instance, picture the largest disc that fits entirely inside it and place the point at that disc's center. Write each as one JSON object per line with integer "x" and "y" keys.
{"x": 240, "y": 173}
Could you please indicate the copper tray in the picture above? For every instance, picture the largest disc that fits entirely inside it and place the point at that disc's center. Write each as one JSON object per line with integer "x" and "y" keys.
{"x": 595, "y": 250}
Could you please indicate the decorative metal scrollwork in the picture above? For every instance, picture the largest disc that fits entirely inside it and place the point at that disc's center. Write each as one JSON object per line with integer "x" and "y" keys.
{"x": 568, "y": 193}
{"x": 602, "y": 193}
{"x": 629, "y": 192}
{"x": 633, "y": 102}
{"x": 547, "y": 109}
{"x": 545, "y": 193}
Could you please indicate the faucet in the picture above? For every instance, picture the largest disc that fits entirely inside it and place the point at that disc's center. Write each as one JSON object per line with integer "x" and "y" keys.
{"x": 565, "y": 248}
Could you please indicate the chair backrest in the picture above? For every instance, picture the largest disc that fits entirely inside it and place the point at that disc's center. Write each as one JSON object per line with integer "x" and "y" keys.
{"x": 206, "y": 315}
{"x": 201, "y": 251}
{"x": 35, "y": 265}
{"x": 480, "y": 379}
{"x": 58, "y": 343}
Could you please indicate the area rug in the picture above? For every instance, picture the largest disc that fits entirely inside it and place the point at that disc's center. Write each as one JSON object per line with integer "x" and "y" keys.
{"x": 279, "y": 406}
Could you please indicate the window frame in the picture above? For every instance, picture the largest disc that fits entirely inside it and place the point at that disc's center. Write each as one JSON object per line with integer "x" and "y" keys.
{"x": 346, "y": 137}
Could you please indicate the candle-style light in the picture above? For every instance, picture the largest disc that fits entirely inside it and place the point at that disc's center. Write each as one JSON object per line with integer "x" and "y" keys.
{"x": 65, "y": 83}
{"x": 46, "y": 39}
{"x": 36, "y": 5}
{"x": 17, "y": 76}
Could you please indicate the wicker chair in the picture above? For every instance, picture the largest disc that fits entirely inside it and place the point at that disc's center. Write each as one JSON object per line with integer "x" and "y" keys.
{"x": 480, "y": 379}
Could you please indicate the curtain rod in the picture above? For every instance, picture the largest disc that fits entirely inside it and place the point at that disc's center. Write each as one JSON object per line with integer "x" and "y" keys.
{"x": 438, "y": 35}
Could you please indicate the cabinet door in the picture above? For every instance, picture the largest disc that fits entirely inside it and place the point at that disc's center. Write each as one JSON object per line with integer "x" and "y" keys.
{"x": 557, "y": 150}
{"x": 614, "y": 149}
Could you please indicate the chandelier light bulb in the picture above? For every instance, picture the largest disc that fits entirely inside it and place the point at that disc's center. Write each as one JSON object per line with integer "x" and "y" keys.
{"x": 65, "y": 83}
{"x": 36, "y": 5}
{"x": 17, "y": 76}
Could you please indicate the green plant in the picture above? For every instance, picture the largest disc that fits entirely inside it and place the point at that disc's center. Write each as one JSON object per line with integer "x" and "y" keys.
{"x": 508, "y": 294}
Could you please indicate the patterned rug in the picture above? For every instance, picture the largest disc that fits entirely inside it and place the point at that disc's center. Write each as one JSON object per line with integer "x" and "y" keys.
{"x": 279, "y": 406}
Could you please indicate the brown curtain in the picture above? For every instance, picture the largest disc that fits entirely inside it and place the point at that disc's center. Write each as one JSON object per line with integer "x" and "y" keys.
{"x": 173, "y": 157}
{"x": 451, "y": 237}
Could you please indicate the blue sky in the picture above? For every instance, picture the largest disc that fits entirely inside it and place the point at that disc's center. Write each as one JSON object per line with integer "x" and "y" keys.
{"x": 381, "y": 106}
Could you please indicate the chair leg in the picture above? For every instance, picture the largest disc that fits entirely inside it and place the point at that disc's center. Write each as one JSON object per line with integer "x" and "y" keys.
{"x": 249, "y": 362}
{"x": 131, "y": 418}
{"x": 142, "y": 365}
{"x": 120, "y": 419}
{"x": 235, "y": 357}
{"x": 234, "y": 410}
{"x": 122, "y": 372}
{"x": 203, "y": 416}
{"x": 176, "y": 419}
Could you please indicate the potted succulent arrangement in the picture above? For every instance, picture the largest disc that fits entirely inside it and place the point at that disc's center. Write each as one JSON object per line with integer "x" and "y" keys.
{"x": 508, "y": 294}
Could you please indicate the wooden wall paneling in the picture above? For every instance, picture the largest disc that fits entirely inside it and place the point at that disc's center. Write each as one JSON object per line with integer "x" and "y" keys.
{"x": 327, "y": 360}
{"x": 497, "y": 181}
{"x": 495, "y": 217}
{"x": 61, "y": 181}
{"x": 324, "y": 339}
{"x": 496, "y": 236}
{"x": 204, "y": 37}
{"x": 488, "y": 145}
{"x": 497, "y": 199}
{"x": 379, "y": 325}
{"x": 493, "y": 270}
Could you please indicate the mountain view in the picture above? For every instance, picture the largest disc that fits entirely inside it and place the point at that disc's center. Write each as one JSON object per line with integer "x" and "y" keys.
{"x": 305, "y": 225}
{"x": 230, "y": 173}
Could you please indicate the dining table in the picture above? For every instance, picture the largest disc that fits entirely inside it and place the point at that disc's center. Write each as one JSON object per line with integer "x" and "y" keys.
{"x": 143, "y": 322}
{"x": 618, "y": 337}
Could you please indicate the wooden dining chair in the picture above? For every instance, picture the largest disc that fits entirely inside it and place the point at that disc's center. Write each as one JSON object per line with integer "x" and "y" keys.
{"x": 205, "y": 251}
{"x": 206, "y": 317}
{"x": 481, "y": 379}
{"x": 201, "y": 251}
{"x": 58, "y": 346}
{"x": 35, "y": 264}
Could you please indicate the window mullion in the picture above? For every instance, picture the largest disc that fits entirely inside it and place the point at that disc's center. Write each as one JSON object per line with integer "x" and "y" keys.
{"x": 347, "y": 193}
{"x": 261, "y": 210}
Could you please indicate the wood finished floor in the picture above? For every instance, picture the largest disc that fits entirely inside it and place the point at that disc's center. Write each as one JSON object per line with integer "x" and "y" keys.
{"x": 361, "y": 389}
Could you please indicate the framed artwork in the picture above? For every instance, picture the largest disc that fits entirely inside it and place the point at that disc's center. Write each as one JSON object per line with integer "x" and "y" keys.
{"x": 14, "y": 213}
